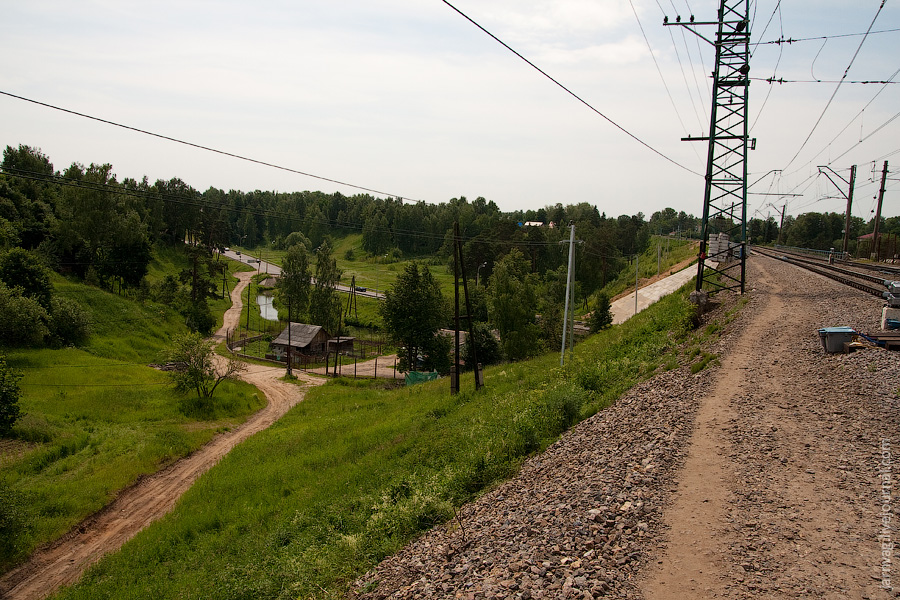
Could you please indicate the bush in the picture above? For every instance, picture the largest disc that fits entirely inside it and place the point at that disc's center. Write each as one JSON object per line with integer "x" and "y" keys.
{"x": 9, "y": 397}
{"x": 21, "y": 268}
{"x": 487, "y": 348}
{"x": 69, "y": 323}
{"x": 601, "y": 318}
{"x": 13, "y": 524}
{"x": 24, "y": 319}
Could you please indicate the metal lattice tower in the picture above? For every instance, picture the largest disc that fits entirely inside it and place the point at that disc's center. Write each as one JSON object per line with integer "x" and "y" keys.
{"x": 725, "y": 195}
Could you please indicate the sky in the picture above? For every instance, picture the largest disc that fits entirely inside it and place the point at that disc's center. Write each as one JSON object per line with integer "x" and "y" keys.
{"x": 410, "y": 99}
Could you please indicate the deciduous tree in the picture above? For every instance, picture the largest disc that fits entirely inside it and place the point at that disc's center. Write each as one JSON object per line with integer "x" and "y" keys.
{"x": 324, "y": 303}
{"x": 413, "y": 310}
{"x": 196, "y": 368}
{"x": 295, "y": 281}
{"x": 513, "y": 306}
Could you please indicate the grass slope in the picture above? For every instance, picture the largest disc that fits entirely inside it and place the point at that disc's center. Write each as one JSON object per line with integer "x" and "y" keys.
{"x": 97, "y": 417}
{"x": 355, "y": 471}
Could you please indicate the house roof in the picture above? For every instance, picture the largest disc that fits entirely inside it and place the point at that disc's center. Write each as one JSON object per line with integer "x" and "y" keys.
{"x": 301, "y": 335}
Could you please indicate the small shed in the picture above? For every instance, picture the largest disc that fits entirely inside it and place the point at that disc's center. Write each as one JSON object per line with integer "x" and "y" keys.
{"x": 303, "y": 338}
{"x": 343, "y": 344}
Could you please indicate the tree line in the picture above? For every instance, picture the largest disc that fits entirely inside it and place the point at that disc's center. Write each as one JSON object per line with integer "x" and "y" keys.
{"x": 85, "y": 221}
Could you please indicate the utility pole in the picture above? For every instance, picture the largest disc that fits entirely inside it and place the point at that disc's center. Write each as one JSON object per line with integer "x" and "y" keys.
{"x": 878, "y": 210}
{"x": 848, "y": 196}
{"x": 290, "y": 365}
{"x": 637, "y": 258}
{"x": 562, "y": 354}
{"x": 781, "y": 226}
{"x": 459, "y": 268}
{"x": 725, "y": 193}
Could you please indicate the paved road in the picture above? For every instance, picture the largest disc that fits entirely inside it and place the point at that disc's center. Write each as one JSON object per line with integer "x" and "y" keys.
{"x": 624, "y": 308}
{"x": 273, "y": 269}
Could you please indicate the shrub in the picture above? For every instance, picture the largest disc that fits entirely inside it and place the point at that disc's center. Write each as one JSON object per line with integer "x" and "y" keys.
{"x": 24, "y": 319}
{"x": 601, "y": 318}
{"x": 13, "y": 524}
{"x": 9, "y": 397}
{"x": 69, "y": 323}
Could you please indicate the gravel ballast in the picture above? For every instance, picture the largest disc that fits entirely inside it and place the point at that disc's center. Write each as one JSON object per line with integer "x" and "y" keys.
{"x": 803, "y": 450}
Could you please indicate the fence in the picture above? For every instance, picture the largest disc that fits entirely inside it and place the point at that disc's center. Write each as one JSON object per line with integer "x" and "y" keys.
{"x": 332, "y": 363}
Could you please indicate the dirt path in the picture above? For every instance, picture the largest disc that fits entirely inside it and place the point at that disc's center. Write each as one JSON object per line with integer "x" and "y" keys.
{"x": 381, "y": 367}
{"x": 692, "y": 565}
{"x": 777, "y": 492}
{"x": 150, "y": 498}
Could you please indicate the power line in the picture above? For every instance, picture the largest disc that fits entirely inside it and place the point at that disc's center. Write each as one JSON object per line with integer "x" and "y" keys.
{"x": 850, "y": 122}
{"x": 200, "y": 146}
{"x": 783, "y": 40}
{"x": 783, "y": 80}
{"x": 774, "y": 71}
{"x": 876, "y": 130}
{"x": 838, "y": 87}
{"x": 658, "y": 70}
{"x": 573, "y": 94}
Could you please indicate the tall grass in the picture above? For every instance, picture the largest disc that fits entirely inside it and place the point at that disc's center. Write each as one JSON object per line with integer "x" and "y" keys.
{"x": 356, "y": 470}
{"x": 97, "y": 417}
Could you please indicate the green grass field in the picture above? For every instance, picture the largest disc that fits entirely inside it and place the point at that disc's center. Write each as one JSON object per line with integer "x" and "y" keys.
{"x": 356, "y": 470}
{"x": 97, "y": 417}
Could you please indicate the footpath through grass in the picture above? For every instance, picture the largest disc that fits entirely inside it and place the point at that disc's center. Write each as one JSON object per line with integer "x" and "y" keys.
{"x": 356, "y": 470}
{"x": 95, "y": 418}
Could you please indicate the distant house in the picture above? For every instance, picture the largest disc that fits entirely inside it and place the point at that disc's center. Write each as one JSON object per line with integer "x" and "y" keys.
{"x": 534, "y": 223}
{"x": 305, "y": 339}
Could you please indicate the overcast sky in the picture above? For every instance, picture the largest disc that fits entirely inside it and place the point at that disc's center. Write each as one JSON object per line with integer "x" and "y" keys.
{"x": 410, "y": 99}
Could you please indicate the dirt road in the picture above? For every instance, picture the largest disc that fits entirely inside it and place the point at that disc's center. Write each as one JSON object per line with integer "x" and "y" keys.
{"x": 150, "y": 498}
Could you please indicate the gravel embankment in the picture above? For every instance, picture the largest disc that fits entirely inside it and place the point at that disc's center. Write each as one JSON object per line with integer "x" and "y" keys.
{"x": 586, "y": 518}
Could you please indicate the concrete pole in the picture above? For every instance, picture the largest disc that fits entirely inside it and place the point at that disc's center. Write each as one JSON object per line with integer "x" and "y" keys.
{"x": 878, "y": 210}
{"x": 562, "y": 354}
{"x": 849, "y": 205}
{"x": 636, "y": 261}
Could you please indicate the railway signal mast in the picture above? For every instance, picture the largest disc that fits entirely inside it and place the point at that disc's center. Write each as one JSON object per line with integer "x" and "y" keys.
{"x": 725, "y": 194}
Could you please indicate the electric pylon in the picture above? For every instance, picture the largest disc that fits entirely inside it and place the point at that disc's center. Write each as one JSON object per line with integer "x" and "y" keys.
{"x": 725, "y": 194}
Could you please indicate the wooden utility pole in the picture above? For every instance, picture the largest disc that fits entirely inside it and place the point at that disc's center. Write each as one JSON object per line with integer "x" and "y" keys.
{"x": 290, "y": 365}
{"x": 459, "y": 268}
{"x": 878, "y": 210}
{"x": 849, "y": 205}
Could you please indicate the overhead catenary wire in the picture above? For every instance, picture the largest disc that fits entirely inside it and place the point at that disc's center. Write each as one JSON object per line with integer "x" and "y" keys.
{"x": 782, "y": 40}
{"x": 774, "y": 71}
{"x": 838, "y": 87}
{"x": 573, "y": 94}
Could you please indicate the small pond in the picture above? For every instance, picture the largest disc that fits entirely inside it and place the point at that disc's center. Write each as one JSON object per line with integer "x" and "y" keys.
{"x": 266, "y": 309}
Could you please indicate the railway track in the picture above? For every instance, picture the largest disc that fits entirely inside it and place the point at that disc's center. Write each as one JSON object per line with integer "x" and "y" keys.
{"x": 891, "y": 272}
{"x": 854, "y": 279}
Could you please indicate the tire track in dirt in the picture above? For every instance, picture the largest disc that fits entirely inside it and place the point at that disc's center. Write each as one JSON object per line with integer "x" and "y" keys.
{"x": 62, "y": 562}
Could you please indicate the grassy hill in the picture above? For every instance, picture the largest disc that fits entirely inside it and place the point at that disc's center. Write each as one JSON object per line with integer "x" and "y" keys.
{"x": 356, "y": 470}
{"x": 96, "y": 417}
